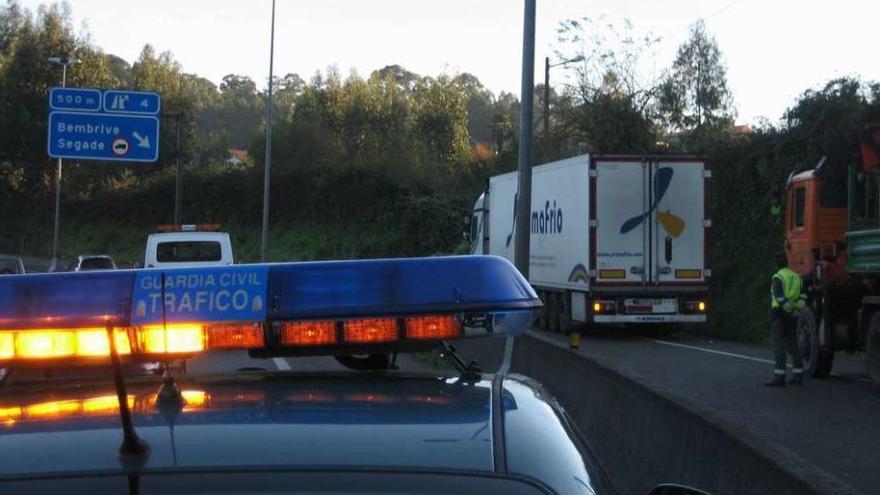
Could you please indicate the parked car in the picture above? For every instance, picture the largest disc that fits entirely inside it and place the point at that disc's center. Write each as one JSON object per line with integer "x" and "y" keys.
{"x": 86, "y": 262}
{"x": 10, "y": 265}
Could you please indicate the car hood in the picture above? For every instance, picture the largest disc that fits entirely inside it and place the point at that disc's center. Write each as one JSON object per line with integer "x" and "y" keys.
{"x": 255, "y": 420}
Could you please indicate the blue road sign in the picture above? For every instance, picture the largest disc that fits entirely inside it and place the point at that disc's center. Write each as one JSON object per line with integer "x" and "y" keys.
{"x": 111, "y": 125}
{"x": 100, "y": 136}
{"x": 233, "y": 293}
{"x": 75, "y": 99}
{"x": 131, "y": 102}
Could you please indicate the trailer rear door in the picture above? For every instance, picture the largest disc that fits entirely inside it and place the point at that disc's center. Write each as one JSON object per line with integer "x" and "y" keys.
{"x": 621, "y": 220}
{"x": 678, "y": 227}
{"x": 649, "y": 219}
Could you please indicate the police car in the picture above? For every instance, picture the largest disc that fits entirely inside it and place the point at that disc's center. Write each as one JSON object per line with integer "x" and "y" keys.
{"x": 377, "y": 431}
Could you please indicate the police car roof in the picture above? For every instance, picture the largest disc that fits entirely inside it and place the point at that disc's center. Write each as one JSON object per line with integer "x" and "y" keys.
{"x": 297, "y": 421}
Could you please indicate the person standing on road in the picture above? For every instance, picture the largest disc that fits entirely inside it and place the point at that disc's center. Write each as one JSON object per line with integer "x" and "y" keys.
{"x": 786, "y": 303}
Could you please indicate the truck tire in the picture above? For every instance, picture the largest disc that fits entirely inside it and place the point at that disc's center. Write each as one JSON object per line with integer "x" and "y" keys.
{"x": 553, "y": 315}
{"x": 543, "y": 316}
{"x": 565, "y": 313}
{"x": 818, "y": 358}
{"x": 872, "y": 349}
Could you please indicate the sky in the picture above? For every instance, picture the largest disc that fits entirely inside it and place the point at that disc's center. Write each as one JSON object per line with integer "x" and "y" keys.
{"x": 774, "y": 49}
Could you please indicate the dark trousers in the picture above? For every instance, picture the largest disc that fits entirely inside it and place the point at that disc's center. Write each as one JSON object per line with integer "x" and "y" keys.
{"x": 784, "y": 332}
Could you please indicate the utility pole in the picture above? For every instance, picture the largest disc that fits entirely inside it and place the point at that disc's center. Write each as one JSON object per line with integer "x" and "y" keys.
{"x": 63, "y": 62}
{"x": 264, "y": 237}
{"x": 177, "y": 200}
{"x": 546, "y": 115}
{"x": 546, "y": 108}
{"x": 524, "y": 162}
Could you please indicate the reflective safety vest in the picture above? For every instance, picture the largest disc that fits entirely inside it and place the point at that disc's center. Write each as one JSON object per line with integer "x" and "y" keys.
{"x": 791, "y": 288}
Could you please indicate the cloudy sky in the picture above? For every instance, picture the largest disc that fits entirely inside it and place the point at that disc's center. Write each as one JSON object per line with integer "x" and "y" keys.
{"x": 774, "y": 49}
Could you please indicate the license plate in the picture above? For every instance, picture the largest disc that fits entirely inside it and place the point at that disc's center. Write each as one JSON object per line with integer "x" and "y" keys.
{"x": 651, "y": 306}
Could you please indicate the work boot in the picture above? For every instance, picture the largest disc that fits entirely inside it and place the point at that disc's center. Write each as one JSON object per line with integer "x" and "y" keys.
{"x": 796, "y": 379}
{"x": 778, "y": 381}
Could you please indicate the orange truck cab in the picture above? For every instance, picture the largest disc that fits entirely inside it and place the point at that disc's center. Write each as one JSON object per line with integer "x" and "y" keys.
{"x": 814, "y": 230}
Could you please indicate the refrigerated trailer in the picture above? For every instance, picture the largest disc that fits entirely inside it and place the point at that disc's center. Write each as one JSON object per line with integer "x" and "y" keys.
{"x": 613, "y": 238}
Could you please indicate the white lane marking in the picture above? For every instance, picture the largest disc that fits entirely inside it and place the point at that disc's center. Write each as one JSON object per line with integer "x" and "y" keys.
{"x": 749, "y": 358}
{"x": 712, "y": 351}
{"x": 281, "y": 364}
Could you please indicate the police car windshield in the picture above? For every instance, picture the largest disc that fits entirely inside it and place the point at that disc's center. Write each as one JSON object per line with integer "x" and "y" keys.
{"x": 182, "y": 251}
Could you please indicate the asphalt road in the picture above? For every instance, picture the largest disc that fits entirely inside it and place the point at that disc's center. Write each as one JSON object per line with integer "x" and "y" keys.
{"x": 830, "y": 423}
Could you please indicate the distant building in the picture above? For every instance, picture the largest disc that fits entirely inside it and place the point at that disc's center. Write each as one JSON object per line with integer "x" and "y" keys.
{"x": 237, "y": 156}
{"x": 740, "y": 130}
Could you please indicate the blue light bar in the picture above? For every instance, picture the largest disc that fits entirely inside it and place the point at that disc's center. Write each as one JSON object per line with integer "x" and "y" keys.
{"x": 65, "y": 299}
{"x": 340, "y": 289}
{"x": 272, "y": 292}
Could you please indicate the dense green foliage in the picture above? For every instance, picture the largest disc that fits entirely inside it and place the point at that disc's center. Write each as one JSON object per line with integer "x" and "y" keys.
{"x": 386, "y": 165}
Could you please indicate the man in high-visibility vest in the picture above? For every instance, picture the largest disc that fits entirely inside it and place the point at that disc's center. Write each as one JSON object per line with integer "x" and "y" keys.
{"x": 786, "y": 303}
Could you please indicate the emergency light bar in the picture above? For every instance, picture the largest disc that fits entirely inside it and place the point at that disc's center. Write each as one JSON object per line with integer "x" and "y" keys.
{"x": 269, "y": 309}
{"x": 189, "y": 227}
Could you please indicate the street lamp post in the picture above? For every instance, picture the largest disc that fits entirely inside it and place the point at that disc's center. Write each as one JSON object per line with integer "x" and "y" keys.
{"x": 547, "y": 66}
{"x": 523, "y": 206}
{"x": 63, "y": 62}
{"x": 264, "y": 237}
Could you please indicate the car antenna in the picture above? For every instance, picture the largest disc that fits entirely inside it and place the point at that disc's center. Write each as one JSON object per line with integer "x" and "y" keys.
{"x": 169, "y": 392}
{"x": 132, "y": 445}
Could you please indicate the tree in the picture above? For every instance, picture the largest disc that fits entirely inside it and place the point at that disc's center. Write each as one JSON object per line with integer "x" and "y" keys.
{"x": 695, "y": 93}
{"x": 479, "y": 107}
{"x": 607, "y": 107}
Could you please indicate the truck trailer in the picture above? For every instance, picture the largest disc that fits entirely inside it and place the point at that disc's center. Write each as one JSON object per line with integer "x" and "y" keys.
{"x": 614, "y": 239}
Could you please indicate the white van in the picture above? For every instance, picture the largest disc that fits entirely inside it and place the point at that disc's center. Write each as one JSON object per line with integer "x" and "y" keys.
{"x": 188, "y": 245}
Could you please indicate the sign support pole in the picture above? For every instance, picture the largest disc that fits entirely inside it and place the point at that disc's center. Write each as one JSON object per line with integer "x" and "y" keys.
{"x": 58, "y": 189}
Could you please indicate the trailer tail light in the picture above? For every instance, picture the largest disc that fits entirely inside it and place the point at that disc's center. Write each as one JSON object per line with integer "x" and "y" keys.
{"x": 306, "y": 333}
{"x": 695, "y": 306}
{"x": 604, "y": 307}
{"x": 694, "y": 273}
{"x": 612, "y": 274}
{"x": 432, "y": 327}
{"x": 370, "y": 330}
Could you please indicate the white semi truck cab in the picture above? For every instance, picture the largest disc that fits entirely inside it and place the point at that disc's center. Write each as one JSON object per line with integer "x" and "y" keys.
{"x": 188, "y": 245}
{"x": 613, "y": 239}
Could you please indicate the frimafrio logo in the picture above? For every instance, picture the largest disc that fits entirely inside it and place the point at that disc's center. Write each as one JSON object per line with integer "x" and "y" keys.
{"x": 548, "y": 220}
{"x": 672, "y": 223}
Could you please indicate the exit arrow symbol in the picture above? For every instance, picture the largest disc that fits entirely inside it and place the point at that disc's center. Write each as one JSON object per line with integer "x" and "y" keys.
{"x": 143, "y": 142}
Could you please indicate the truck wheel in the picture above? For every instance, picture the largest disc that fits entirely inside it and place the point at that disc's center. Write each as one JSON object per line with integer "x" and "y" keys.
{"x": 565, "y": 313}
{"x": 872, "y": 350}
{"x": 818, "y": 358}
{"x": 554, "y": 311}
{"x": 543, "y": 320}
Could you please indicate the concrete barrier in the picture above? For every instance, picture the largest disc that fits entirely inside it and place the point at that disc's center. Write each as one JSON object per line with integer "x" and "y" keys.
{"x": 644, "y": 434}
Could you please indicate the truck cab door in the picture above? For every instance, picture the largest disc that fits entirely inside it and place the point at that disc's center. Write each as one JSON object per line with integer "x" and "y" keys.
{"x": 798, "y": 238}
{"x": 678, "y": 221}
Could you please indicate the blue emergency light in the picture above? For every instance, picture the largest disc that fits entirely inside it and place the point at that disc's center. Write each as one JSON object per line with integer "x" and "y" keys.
{"x": 266, "y": 308}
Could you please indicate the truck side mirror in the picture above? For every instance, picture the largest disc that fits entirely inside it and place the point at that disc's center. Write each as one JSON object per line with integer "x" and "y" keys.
{"x": 466, "y": 228}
